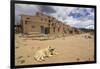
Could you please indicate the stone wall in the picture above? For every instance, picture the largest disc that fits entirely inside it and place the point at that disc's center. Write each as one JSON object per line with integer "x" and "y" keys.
{"x": 45, "y": 24}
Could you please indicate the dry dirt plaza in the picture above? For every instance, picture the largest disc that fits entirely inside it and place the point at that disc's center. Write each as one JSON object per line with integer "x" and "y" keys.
{"x": 74, "y": 48}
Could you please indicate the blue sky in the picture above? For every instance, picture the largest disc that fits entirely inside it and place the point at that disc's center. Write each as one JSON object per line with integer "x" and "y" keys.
{"x": 74, "y": 16}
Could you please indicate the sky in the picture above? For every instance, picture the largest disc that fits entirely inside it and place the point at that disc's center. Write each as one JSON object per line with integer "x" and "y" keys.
{"x": 78, "y": 17}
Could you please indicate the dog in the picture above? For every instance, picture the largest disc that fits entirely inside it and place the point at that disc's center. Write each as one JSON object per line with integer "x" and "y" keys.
{"x": 40, "y": 55}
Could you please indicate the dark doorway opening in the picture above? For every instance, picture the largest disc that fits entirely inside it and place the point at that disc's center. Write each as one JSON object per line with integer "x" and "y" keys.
{"x": 42, "y": 29}
{"x": 47, "y": 30}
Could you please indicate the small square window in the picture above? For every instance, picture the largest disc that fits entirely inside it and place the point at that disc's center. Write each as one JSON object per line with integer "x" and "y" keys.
{"x": 25, "y": 22}
{"x": 41, "y": 19}
{"x": 49, "y": 21}
{"x": 33, "y": 26}
{"x": 28, "y": 18}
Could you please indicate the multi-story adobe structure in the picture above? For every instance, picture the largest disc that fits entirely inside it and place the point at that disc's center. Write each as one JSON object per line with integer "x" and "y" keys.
{"x": 45, "y": 24}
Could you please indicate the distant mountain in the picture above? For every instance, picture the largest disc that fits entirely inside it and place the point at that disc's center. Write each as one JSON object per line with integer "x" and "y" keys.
{"x": 90, "y": 27}
{"x": 86, "y": 30}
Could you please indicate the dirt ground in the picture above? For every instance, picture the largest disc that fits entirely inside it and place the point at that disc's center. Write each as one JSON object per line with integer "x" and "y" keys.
{"x": 76, "y": 48}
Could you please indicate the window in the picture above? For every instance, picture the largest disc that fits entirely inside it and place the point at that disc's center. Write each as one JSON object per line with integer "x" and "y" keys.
{"x": 25, "y": 22}
{"x": 65, "y": 31}
{"x": 49, "y": 21}
{"x": 28, "y": 18}
{"x": 70, "y": 31}
{"x": 33, "y": 26}
{"x": 42, "y": 29}
{"x": 63, "y": 28}
{"x": 58, "y": 29}
{"x": 54, "y": 29}
{"x": 48, "y": 24}
{"x": 52, "y": 24}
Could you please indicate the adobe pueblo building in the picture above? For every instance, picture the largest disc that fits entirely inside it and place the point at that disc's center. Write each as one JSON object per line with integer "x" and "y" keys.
{"x": 44, "y": 24}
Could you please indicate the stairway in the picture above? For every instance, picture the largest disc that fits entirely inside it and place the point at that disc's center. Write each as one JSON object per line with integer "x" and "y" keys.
{"x": 37, "y": 36}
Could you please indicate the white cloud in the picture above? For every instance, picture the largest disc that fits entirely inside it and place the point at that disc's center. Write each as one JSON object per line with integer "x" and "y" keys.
{"x": 62, "y": 13}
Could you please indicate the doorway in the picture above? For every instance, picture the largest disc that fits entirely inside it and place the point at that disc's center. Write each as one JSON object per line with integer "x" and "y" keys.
{"x": 45, "y": 30}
